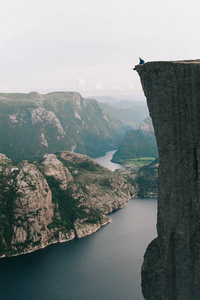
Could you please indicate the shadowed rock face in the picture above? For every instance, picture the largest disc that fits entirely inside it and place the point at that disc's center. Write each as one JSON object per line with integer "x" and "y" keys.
{"x": 171, "y": 268}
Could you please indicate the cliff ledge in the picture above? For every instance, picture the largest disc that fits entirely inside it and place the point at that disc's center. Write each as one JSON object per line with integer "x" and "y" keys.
{"x": 172, "y": 261}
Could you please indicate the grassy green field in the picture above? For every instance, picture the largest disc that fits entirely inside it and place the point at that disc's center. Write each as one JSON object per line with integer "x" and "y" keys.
{"x": 140, "y": 162}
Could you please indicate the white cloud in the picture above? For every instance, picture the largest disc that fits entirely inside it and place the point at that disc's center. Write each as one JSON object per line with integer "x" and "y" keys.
{"x": 49, "y": 44}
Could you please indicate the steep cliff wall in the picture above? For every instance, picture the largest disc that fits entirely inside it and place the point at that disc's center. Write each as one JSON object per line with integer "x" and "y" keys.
{"x": 172, "y": 261}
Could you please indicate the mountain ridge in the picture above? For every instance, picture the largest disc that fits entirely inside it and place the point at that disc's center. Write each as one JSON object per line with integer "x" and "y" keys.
{"x": 34, "y": 124}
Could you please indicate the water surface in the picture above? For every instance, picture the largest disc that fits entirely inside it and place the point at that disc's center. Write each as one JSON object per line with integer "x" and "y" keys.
{"x": 102, "y": 266}
{"x": 105, "y": 161}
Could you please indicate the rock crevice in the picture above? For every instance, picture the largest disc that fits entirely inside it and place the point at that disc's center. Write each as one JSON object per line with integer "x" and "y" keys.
{"x": 171, "y": 264}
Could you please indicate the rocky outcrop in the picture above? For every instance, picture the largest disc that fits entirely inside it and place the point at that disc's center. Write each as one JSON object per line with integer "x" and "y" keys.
{"x": 82, "y": 228}
{"x": 172, "y": 261}
{"x": 42, "y": 116}
{"x": 62, "y": 196}
{"x": 32, "y": 208}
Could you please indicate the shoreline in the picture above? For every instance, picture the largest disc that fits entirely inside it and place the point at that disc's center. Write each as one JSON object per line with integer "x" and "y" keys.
{"x": 95, "y": 228}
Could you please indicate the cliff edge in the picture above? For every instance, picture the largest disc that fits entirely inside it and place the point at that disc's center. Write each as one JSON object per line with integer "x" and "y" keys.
{"x": 172, "y": 261}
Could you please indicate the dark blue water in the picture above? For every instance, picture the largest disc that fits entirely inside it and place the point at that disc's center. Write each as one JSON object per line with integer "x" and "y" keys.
{"x": 102, "y": 266}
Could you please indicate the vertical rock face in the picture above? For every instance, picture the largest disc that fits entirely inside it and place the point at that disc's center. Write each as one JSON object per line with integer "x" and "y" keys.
{"x": 33, "y": 209}
{"x": 172, "y": 261}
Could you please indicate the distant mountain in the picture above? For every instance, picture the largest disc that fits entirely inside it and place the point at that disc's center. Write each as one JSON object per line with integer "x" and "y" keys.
{"x": 33, "y": 124}
{"x": 128, "y": 103}
{"x": 114, "y": 100}
{"x": 137, "y": 143}
{"x": 131, "y": 113}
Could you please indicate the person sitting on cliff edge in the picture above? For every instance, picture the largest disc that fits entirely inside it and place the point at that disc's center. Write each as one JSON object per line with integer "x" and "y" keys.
{"x": 141, "y": 62}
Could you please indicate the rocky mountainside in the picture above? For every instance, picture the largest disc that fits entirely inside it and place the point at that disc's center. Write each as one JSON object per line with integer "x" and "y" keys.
{"x": 58, "y": 198}
{"x": 144, "y": 180}
{"x": 137, "y": 143}
{"x": 33, "y": 124}
{"x": 172, "y": 261}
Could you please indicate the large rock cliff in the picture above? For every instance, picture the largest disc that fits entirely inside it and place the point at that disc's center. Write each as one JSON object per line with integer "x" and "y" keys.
{"x": 60, "y": 197}
{"x": 172, "y": 261}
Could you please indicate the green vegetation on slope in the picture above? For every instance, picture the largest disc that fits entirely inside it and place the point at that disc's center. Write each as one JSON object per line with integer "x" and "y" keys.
{"x": 140, "y": 162}
{"x": 135, "y": 145}
{"x": 68, "y": 207}
{"x": 33, "y": 124}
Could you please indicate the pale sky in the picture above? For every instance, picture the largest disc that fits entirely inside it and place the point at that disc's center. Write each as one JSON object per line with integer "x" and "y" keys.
{"x": 90, "y": 46}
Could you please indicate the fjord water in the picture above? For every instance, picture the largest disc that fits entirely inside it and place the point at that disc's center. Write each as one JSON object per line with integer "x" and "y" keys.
{"x": 102, "y": 266}
{"x": 106, "y": 162}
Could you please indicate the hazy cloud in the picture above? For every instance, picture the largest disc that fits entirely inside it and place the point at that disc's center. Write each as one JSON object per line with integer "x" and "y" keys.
{"x": 91, "y": 45}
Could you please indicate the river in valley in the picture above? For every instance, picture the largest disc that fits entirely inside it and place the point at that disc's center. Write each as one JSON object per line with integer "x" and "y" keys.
{"x": 106, "y": 162}
{"x": 103, "y": 266}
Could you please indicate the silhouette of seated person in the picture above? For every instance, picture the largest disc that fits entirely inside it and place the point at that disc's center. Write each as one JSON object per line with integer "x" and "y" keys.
{"x": 141, "y": 62}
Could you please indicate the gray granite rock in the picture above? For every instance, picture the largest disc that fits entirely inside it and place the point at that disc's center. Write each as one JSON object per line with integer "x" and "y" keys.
{"x": 171, "y": 268}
